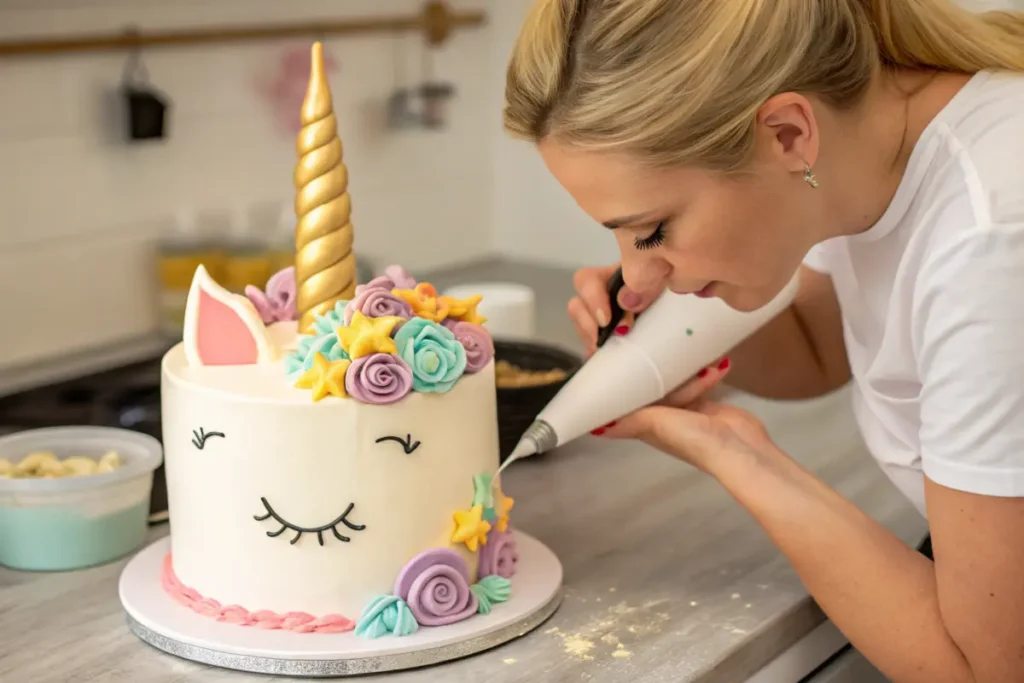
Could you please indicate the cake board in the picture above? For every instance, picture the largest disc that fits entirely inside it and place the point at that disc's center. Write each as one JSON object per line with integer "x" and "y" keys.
{"x": 166, "y": 625}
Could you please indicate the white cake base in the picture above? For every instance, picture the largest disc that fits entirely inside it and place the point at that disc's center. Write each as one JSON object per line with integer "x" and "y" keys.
{"x": 160, "y": 621}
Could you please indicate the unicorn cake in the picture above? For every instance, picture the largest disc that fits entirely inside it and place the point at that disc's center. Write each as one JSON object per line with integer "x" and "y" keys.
{"x": 329, "y": 447}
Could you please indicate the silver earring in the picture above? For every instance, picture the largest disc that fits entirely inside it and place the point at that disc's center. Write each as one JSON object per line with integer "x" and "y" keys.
{"x": 809, "y": 176}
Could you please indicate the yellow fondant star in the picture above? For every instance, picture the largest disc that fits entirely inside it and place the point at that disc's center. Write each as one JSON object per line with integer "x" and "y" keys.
{"x": 364, "y": 336}
{"x": 325, "y": 377}
{"x": 464, "y": 309}
{"x": 424, "y": 301}
{"x": 470, "y": 527}
{"x": 502, "y": 505}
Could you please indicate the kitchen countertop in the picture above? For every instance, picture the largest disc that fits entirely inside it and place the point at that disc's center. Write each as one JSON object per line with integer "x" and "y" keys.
{"x": 657, "y": 558}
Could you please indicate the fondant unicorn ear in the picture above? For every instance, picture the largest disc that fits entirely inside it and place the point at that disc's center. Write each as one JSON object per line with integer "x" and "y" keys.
{"x": 222, "y": 328}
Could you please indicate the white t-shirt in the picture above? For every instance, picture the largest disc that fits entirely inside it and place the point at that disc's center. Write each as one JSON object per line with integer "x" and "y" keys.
{"x": 932, "y": 300}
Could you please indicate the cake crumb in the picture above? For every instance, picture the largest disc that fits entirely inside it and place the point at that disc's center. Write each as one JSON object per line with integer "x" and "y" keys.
{"x": 611, "y": 639}
{"x": 611, "y": 590}
{"x": 621, "y": 652}
{"x": 510, "y": 660}
{"x": 735, "y": 596}
{"x": 748, "y": 605}
{"x": 579, "y": 646}
{"x": 554, "y": 629}
{"x": 693, "y": 603}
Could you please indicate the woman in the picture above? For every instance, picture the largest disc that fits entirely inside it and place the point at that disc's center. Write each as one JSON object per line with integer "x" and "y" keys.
{"x": 877, "y": 146}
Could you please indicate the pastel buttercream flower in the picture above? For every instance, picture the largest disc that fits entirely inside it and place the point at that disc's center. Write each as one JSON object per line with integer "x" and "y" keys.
{"x": 325, "y": 378}
{"x": 379, "y": 282}
{"x": 277, "y": 303}
{"x": 379, "y": 378}
{"x": 436, "y": 357}
{"x": 424, "y": 301}
{"x": 400, "y": 276}
{"x": 367, "y": 335}
{"x": 301, "y": 359}
{"x": 377, "y": 302}
{"x": 464, "y": 309}
{"x": 471, "y": 528}
{"x": 499, "y": 555}
{"x": 477, "y": 342}
{"x": 435, "y": 585}
{"x": 386, "y": 614}
{"x": 489, "y": 590}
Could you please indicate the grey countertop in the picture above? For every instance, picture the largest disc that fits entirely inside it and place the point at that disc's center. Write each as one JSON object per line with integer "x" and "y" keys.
{"x": 666, "y": 578}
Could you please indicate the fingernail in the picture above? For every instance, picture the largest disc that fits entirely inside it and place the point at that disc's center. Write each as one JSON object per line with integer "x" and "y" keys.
{"x": 724, "y": 365}
{"x": 598, "y": 432}
{"x": 602, "y": 318}
{"x": 630, "y": 299}
{"x": 622, "y": 329}
{"x": 703, "y": 373}
{"x": 610, "y": 425}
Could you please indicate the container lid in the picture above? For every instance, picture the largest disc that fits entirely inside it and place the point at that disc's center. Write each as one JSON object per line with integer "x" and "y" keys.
{"x": 139, "y": 452}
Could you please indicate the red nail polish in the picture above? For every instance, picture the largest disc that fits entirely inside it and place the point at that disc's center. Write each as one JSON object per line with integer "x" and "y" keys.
{"x": 703, "y": 373}
{"x": 724, "y": 365}
{"x": 598, "y": 432}
{"x": 622, "y": 329}
{"x": 610, "y": 425}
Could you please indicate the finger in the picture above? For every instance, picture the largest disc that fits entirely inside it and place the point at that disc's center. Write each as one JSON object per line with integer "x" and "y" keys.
{"x": 674, "y": 430}
{"x": 700, "y": 385}
{"x": 592, "y": 287}
{"x": 632, "y": 300}
{"x": 586, "y": 326}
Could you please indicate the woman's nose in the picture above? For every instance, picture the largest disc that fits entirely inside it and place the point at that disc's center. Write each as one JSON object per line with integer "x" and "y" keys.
{"x": 644, "y": 274}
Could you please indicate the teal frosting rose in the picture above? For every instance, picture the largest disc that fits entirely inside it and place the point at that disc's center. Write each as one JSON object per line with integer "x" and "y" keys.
{"x": 436, "y": 357}
{"x": 324, "y": 341}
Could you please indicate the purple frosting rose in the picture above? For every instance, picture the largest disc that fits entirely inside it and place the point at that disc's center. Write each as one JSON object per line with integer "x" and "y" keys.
{"x": 378, "y": 378}
{"x": 400, "y": 276}
{"x": 435, "y": 585}
{"x": 379, "y": 282}
{"x": 477, "y": 342}
{"x": 499, "y": 555}
{"x": 277, "y": 304}
{"x": 377, "y": 302}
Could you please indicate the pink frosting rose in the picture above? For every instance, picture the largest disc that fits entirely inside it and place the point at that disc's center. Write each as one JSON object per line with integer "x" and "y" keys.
{"x": 378, "y": 378}
{"x": 400, "y": 276}
{"x": 477, "y": 342}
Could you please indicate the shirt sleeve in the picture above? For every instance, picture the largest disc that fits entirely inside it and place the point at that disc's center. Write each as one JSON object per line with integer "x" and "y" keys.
{"x": 969, "y": 337}
{"x": 817, "y": 258}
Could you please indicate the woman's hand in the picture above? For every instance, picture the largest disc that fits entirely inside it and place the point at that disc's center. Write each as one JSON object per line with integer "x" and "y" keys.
{"x": 691, "y": 428}
{"x": 591, "y": 308}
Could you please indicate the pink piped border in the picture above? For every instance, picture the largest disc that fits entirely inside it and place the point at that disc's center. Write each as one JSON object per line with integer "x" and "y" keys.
{"x": 296, "y": 622}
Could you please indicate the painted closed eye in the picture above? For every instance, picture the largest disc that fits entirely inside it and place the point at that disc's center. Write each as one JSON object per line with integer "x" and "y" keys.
{"x": 318, "y": 530}
{"x": 200, "y": 437}
{"x": 655, "y": 239}
{"x": 407, "y": 443}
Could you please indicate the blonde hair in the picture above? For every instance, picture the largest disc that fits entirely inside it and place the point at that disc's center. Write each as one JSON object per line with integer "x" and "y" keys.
{"x": 680, "y": 81}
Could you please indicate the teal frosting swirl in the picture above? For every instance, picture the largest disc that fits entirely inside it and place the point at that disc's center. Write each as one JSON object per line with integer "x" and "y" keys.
{"x": 324, "y": 341}
{"x": 436, "y": 357}
{"x": 489, "y": 590}
{"x": 386, "y": 614}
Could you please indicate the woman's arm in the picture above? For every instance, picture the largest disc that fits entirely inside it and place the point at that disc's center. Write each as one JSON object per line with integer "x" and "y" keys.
{"x": 964, "y": 623}
{"x": 801, "y": 353}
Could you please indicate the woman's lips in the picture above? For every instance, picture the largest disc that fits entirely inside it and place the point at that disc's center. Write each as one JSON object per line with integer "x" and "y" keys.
{"x": 705, "y": 292}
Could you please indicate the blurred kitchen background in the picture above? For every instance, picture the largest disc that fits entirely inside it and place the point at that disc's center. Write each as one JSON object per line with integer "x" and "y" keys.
{"x": 92, "y": 222}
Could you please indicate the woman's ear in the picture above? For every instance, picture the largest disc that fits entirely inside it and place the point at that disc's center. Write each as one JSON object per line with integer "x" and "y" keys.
{"x": 788, "y": 124}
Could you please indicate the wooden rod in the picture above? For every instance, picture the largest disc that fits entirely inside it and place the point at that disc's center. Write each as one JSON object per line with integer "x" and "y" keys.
{"x": 436, "y": 22}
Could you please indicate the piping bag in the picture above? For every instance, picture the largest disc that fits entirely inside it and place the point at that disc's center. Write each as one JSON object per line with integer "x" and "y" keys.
{"x": 670, "y": 342}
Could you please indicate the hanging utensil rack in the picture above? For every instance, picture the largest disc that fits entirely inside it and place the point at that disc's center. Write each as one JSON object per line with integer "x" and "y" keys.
{"x": 436, "y": 22}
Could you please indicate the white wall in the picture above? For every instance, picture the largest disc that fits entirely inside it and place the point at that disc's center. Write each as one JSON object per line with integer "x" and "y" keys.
{"x": 534, "y": 218}
{"x": 78, "y": 208}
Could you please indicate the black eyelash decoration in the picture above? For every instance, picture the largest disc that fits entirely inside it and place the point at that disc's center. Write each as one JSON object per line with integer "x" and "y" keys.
{"x": 199, "y": 437}
{"x": 655, "y": 239}
{"x": 319, "y": 531}
{"x": 407, "y": 443}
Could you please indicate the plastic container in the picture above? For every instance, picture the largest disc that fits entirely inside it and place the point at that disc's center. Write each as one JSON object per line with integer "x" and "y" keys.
{"x": 76, "y": 522}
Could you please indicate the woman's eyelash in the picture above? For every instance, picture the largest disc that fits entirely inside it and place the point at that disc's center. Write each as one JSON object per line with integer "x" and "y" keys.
{"x": 655, "y": 239}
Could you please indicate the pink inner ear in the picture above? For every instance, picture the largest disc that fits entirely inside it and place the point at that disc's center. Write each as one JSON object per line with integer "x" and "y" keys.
{"x": 222, "y": 337}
